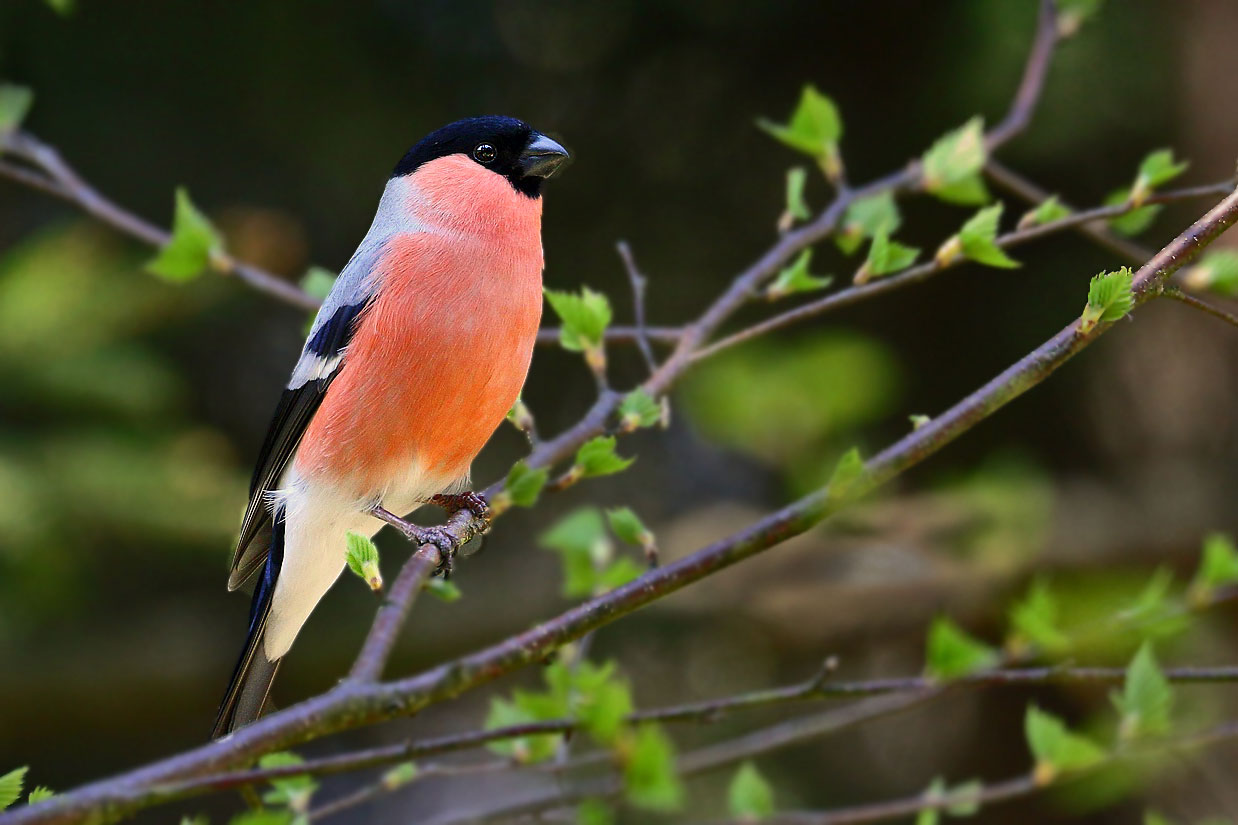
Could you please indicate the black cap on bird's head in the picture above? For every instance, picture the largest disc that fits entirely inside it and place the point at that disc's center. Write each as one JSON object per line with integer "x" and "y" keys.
{"x": 505, "y": 145}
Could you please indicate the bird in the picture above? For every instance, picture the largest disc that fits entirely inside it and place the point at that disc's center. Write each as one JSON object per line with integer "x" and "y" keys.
{"x": 412, "y": 362}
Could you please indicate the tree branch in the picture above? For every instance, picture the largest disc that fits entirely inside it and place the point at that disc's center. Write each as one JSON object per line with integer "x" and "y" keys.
{"x": 353, "y": 705}
{"x": 1020, "y": 186}
{"x": 860, "y": 292}
{"x": 461, "y": 528}
{"x": 1203, "y": 306}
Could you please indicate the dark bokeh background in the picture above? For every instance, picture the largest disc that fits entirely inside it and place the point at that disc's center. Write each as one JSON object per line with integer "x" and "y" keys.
{"x": 130, "y": 409}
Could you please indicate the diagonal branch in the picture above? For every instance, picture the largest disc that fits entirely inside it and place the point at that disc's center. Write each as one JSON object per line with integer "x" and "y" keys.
{"x": 861, "y": 292}
{"x": 1021, "y": 187}
{"x": 353, "y": 705}
{"x": 460, "y": 529}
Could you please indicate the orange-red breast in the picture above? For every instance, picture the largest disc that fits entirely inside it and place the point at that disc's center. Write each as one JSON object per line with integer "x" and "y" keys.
{"x": 414, "y": 359}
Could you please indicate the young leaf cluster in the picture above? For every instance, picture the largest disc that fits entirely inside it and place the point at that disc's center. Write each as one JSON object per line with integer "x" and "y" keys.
{"x": 865, "y": 217}
{"x": 521, "y": 488}
{"x": 814, "y": 129}
{"x": 1217, "y": 271}
{"x": 796, "y": 278}
{"x": 952, "y": 165}
{"x": 583, "y": 319}
{"x": 362, "y": 556}
{"x": 1109, "y": 299}
{"x": 590, "y": 565}
{"x": 885, "y": 257}
{"x": 977, "y": 241}
{"x": 194, "y": 240}
{"x": 599, "y": 700}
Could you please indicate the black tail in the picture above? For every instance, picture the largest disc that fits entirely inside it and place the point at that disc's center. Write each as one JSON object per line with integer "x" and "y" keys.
{"x": 254, "y": 673}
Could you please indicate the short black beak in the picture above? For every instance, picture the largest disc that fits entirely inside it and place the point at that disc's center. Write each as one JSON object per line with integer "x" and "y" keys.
{"x": 541, "y": 157}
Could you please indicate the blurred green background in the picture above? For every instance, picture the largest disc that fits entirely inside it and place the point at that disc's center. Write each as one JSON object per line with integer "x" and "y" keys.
{"x": 130, "y": 409}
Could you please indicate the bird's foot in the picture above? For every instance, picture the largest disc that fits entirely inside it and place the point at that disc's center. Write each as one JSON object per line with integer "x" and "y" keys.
{"x": 438, "y": 537}
{"x": 475, "y": 503}
{"x": 446, "y": 543}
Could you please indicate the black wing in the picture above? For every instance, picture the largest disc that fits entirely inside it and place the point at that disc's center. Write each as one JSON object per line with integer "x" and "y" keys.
{"x": 323, "y": 354}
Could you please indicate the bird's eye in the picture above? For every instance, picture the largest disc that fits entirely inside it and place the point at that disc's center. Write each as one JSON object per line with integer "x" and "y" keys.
{"x": 484, "y": 153}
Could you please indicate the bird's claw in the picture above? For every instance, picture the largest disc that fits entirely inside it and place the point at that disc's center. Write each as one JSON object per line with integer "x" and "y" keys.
{"x": 475, "y": 503}
{"x": 439, "y": 538}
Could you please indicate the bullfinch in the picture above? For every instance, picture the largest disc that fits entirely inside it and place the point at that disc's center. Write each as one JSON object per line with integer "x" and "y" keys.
{"x": 412, "y": 362}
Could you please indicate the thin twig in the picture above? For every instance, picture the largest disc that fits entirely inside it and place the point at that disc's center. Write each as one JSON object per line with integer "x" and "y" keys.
{"x": 1020, "y": 186}
{"x": 354, "y": 704}
{"x": 73, "y": 188}
{"x": 860, "y": 292}
{"x": 379, "y": 642}
{"x": 990, "y": 793}
{"x": 367, "y": 793}
{"x": 1033, "y": 82}
{"x": 1202, "y": 306}
{"x": 639, "y": 283}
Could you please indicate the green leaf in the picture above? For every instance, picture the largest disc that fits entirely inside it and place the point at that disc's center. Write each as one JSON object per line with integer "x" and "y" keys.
{"x": 952, "y": 164}
{"x": 885, "y": 256}
{"x": 583, "y": 317}
{"x": 865, "y": 218}
{"x": 625, "y": 524}
{"x": 814, "y": 129}
{"x": 524, "y": 484}
{"x": 524, "y": 749}
{"x": 618, "y": 573}
{"x": 1154, "y": 818}
{"x": 193, "y": 241}
{"x": 318, "y": 281}
{"x": 964, "y": 800}
{"x": 1153, "y": 613}
{"x": 970, "y": 191}
{"x": 15, "y": 102}
{"x": 597, "y": 457}
{"x": 797, "y": 207}
{"x": 796, "y": 278}
{"x": 581, "y": 541}
{"x": 399, "y": 775}
{"x": 1035, "y": 621}
{"x": 1216, "y": 271}
{"x": 977, "y": 236}
{"x": 39, "y": 794}
{"x": 749, "y": 796}
{"x": 1109, "y": 298}
{"x": 520, "y": 416}
{"x": 294, "y": 791}
{"x": 443, "y": 589}
{"x": 1049, "y": 210}
{"x": 362, "y": 557}
{"x": 1157, "y": 169}
{"x": 1146, "y": 698}
{"x": 1057, "y": 750}
{"x": 599, "y": 699}
{"x": 847, "y": 480}
{"x": 1134, "y": 221}
{"x": 1217, "y": 568}
{"x": 649, "y": 777}
{"x": 594, "y": 812}
{"x": 11, "y": 785}
{"x": 638, "y": 409}
{"x": 951, "y": 653}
